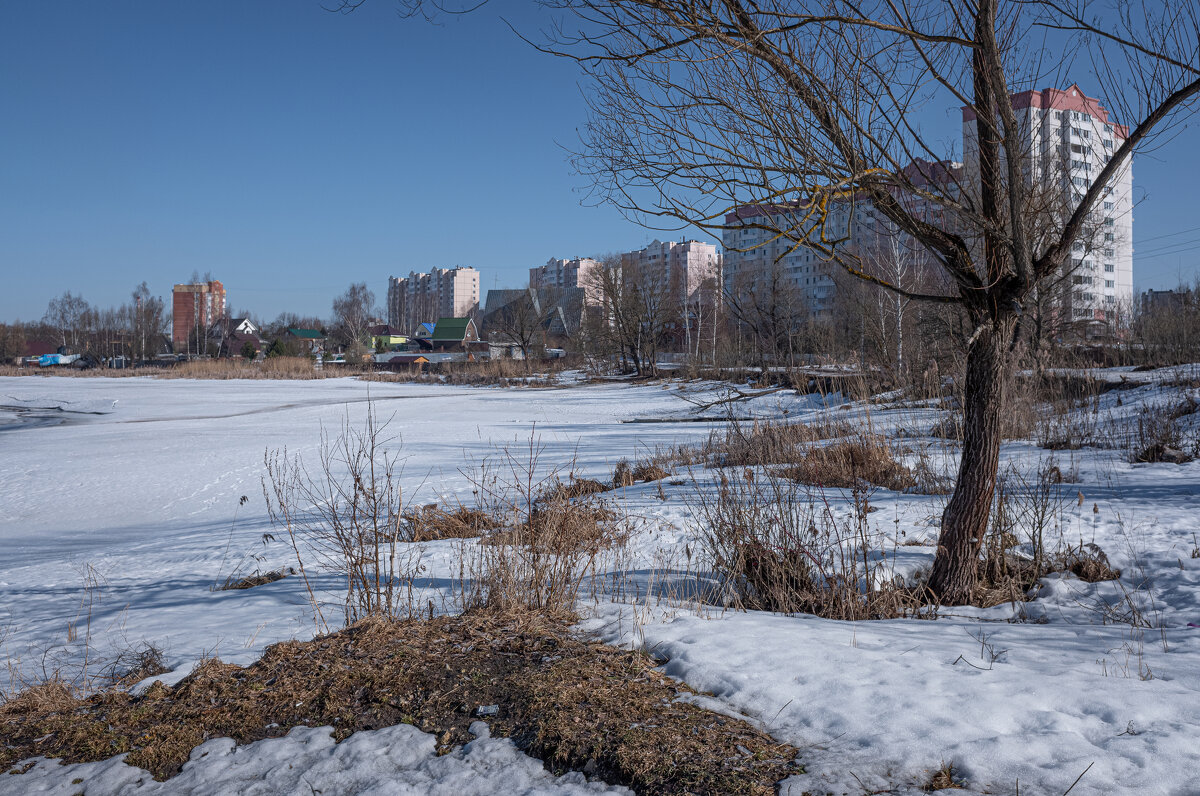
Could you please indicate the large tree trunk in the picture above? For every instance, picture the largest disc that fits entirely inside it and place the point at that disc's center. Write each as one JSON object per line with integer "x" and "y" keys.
{"x": 965, "y": 519}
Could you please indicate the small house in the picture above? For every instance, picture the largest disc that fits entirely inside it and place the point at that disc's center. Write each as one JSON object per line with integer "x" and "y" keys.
{"x": 454, "y": 334}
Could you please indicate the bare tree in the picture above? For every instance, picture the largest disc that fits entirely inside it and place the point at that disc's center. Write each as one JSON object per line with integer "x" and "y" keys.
{"x": 12, "y": 342}
{"x": 520, "y": 322}
{"x": 765, "y": 303}
{"x": 352, "y": 312}
{"x": 148, "y": 322}
{"x": 698, "y": 109}
{"x": 69, "y": 315}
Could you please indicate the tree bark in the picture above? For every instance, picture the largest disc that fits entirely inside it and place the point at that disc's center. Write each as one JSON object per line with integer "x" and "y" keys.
{"x": 964, "y": 522}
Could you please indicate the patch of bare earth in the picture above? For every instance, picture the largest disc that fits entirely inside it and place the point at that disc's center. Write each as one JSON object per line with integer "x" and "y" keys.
{"x": 573, "y": 703}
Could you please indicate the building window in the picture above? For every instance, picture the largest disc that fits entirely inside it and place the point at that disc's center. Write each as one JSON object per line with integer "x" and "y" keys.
{"x": 1110, "y": 283}
{"x": 1108, "y": 267}
{"x": 1108, "y": 236}
{"x": 1108, "y": 205}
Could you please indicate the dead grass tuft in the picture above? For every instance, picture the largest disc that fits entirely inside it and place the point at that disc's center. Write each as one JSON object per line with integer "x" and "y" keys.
{"x": 778, "y": 546}
{"x": 48, "y": 697}
{"x": 431, "y": 523}
{"x": 845, "y": 465}
{"x": 576, "y": 704}
{"x": 763, "y": 443}
{"x": 1088, "y": 563}
{"x": 649, "y": 471}
{"x": 571, "y": 489}
{"x": 233, "y": 583}
{"x": 944, "y": 779}
{"x": 623, "y": 475}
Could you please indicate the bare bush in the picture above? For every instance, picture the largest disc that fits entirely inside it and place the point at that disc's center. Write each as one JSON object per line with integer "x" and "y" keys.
{"x": 346, "y": 515}
{"x": 1158, "y": 436}
{"x": 136, "y": 664}
{"x": 778, "y": 546}
{"x": 554, "y": 536}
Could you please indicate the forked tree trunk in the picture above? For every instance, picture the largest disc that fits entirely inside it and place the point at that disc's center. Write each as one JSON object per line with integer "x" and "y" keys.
{"x": 965, "y": 520}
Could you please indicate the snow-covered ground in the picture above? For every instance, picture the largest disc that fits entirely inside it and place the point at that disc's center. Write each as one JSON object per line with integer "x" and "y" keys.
{"x": 394, "y": 761}
{"x": 135, "y": 487}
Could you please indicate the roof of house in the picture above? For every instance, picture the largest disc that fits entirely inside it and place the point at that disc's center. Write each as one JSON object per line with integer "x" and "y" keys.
{"x": 451, "y": 328}
{"x": 425, "y": 329}
{"x": 308, "y": 334}
{"x": 406, "y": 359}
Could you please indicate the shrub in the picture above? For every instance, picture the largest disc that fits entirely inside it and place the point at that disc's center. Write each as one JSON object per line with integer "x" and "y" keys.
{"x": 778, "y": 546}
{"x": 347, "y": 514}
{"x": 554, "y": 534}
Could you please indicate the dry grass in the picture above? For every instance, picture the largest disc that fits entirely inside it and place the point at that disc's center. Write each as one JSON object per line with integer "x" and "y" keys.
{"x": 849, "y": 464}
{"x": 234, "y": 583}
{"x": 763, "y": 443}
{"x": 273, "y": 368}
{"x": 576, "y": 704}
{"x": 626, "y": 474}
{"x": 431, "y": 523}
{"x": 51, "y": 696}
{"x": 779, "y": 546}
{"x": 571, "y": 489}
{"x": 944, "y": 779}
{"x": 499, "y": 373}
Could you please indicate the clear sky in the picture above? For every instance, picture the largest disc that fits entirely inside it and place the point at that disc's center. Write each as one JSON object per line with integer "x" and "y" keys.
{"x": 291, "y": 151}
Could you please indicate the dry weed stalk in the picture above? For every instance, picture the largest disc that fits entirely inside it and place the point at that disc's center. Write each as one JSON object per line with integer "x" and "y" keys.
{"x": 780, "y": 546}
{"x": 555, "y": 534}
{"x": 347, "y": 514}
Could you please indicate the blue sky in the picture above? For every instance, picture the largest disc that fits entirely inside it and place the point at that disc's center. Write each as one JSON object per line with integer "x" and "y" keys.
{"x": 290, "y": 151}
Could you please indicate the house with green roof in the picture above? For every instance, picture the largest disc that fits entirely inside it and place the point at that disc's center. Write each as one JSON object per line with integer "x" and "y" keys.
{"x": 454, "y": 334}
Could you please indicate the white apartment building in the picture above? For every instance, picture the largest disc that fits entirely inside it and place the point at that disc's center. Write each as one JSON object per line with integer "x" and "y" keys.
{"x": 755, "y": 254}
{"x": 685, "y": 266}
{"x": 1071, "y": 137}
{"x": 568, "y": 275}
{"x": 425, "y": 297}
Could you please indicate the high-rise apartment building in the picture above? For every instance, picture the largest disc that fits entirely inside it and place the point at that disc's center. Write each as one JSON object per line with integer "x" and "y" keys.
{"x": 1070, "y": 138}
{"x": 194, "y": 308}
{"x": 565, "y": 276}
{"x": 425, "y": 297}
{"x": 686, "y": 267}
{"x": 757, "y": 257}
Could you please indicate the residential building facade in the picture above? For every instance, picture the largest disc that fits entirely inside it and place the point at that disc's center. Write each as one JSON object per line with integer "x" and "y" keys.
{"x": 1070, "y": 138}
{"x": 686, "y": 267}
{"x": 194, "y": 309}
{"x": 756, "y": 255}
{"x": 443, "y": 292}
{"x": 564, "y": 276}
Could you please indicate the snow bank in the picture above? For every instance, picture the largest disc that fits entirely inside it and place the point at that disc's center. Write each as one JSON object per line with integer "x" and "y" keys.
{"x": 396, "y": 761}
